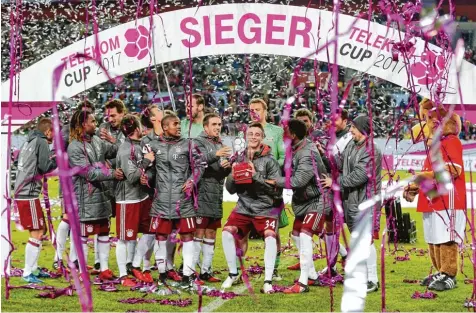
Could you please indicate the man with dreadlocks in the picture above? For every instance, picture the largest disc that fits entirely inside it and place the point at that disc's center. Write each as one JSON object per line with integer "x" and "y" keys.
{"x": 62, "y": 232}
{"x": 132, "y": 201}
{"x": 87, "y": 154}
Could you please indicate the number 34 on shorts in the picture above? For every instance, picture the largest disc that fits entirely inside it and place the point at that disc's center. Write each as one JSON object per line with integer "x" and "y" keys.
{"x": 270, "y": 224}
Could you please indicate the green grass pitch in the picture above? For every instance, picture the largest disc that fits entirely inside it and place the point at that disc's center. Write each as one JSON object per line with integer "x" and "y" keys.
{"x": 398, "y": 293}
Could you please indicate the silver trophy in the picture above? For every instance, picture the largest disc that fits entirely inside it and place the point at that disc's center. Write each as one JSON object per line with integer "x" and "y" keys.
{"x": 239, "y": 146}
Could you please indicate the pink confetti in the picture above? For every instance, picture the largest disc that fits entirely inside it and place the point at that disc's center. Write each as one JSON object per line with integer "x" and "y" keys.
{"x": 424, "y": 295}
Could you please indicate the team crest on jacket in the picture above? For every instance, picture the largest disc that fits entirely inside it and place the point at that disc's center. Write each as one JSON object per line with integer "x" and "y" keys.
{"x": 261, "y": 168}
{"x": 178, "y": 149}
{"x": 199, "y": 220}
{"x": 89, "y": 228}
{"x": 129, "y": 233}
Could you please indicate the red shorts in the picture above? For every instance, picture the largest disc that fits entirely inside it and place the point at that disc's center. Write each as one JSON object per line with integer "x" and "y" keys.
{"x": 95, "y": 227}
{"x": 132, "y": 218}
{"x": 163, "y": 226}
{"x": 31, "y": 214}
{"x": 208, "y": 223}
{"x": 244, "y": 223}
{"x": 311, "y": 224}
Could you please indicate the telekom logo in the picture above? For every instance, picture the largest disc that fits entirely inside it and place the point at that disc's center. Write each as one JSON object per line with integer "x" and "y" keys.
{"x": 138, "y": 42}
{"x": 429, "y": 69}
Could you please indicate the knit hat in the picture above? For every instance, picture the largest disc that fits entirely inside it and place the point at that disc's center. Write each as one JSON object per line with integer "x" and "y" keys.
{"x": 362, "y": 123}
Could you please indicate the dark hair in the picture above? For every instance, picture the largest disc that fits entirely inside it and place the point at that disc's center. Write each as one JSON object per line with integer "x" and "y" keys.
{"x": 209, "y": 116}
{"x": 165, "y": 120}
{"x": 76, "y": 126}
{"x": 304, "y": 112}
{"x": 146, "y": 114}
{"x": 86, "y": 104}
{"x": 257, "y": 125}
{"x": 298, "y": 128}
{"x": 129, "y": 124}
{"x": 118, "y": 104}
{"x": 44, "y": 124}
{"x": 344, "y": 114}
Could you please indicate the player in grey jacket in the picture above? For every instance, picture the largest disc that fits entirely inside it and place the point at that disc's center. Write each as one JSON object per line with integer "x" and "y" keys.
{"x": 152, "y": 117}
{"x": 361, "y": 179}
{"x": 110, "y": 130}
{"x": 307, "y": 204}
{"x": 210, "y": 193}
{"x": 34, "y": 161}
{"x": 87, "y": 155}
{"x": 178, "y": 167}
{"x": 62, "y": 232}
{"x": 332, "y": 161}
{"x": 254, "y": 206}
{"x": 132, "y": 201}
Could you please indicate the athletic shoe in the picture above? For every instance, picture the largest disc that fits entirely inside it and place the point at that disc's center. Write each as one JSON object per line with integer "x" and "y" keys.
{"x": 209, "y": 278}
{"x": 267, "y": 287}
{"x": 163, "y": 278}
{"x": 371, "y": 286}
{"x": 324, "y": 272}
{"x": 127, "y": 282}
{"x": 96, "y": 270}
{"x": 231, "y": 280}
{"x": 197, "y": 280}
{"x": 297, "y": 288}
{"x": 429, "y": 279}
{"x": 129, "y": 268}
{"x": 314, "y": 282}
{"x": 444, "y": 282}
{"x": 32, "y": 279}
{"x": 276, "y": 275}
{"x": 106, "y": 275}
{"x": 295, "y": 267}
{"x": 173, "y": 275}
{"x": 136, "y": 272}
{"x": 40, "y": 273}
{"x": 186, "y": 283}
{"x": 147, "y": 277}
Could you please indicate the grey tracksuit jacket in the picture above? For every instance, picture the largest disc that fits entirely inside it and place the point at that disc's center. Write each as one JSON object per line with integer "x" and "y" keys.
{"x": 173, "y": 167}
{"x": 354, "y": 182}
{"x": 116, "y": 133}
{"x": 132, "y": 162}
{"x": 210, "y": 186}
{"x": 33, "y": 160}
{"x": 307, "y": 168}
{"x": 92, "y": 193}
{"x": 150, "y": 143}
{"x": 256, "y": 199}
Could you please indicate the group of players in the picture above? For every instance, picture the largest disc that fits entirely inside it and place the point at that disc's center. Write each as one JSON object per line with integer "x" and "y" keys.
{"x": 168, "y": 179}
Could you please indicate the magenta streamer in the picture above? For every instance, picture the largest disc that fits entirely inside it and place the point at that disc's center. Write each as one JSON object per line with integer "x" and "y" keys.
{"x": 71, "y": 205}
{"x": 14, "y": 33}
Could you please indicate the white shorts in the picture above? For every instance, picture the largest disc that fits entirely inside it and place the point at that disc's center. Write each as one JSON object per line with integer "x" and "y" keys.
{"x": 444, "y": 226}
